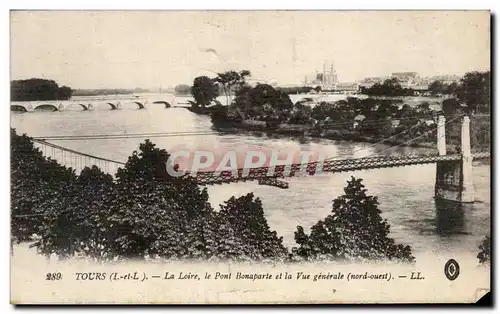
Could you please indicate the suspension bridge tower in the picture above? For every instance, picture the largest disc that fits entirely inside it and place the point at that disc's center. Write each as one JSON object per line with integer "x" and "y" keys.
{"x": 454, "y": 178}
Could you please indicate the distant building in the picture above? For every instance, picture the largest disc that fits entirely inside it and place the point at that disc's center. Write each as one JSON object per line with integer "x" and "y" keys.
{"x": 404, "y": 76}
{"x": 406, "y": 79}
{"x": 411, "y": 80}
{"x": 445, "y": 79}
{"x": 347, "y": 87}
{"x": 368, "y": 82}
{"x": 327, "y": 79}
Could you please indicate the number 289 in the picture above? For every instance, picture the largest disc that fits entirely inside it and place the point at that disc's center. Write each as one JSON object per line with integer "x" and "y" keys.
{"x": 53, "y": 276}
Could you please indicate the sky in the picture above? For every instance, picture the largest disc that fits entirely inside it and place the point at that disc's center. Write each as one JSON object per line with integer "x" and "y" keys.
{"x": 153, "y": 49}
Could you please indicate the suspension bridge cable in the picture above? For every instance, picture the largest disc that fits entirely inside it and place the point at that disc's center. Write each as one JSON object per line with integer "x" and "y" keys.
{"x": 196, "y": 133}
{"x": 67, "y": 150}
{"x": 125, "y": 134}
{"x": 374, "y": 144}
{"x": 415, "y": 138}
{"x": 64, "y": 149}
{"x": 122, "y": 137}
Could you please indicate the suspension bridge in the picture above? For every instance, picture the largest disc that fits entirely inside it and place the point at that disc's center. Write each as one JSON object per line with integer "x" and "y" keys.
{"x": 453, "y": 176}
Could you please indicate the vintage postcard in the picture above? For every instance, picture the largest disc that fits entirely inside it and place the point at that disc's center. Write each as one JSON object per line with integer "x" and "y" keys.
{"x": 250, "y": 157}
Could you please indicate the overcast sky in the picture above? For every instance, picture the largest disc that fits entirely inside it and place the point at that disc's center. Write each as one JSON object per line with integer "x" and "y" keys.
{"x": 118, "y": 49}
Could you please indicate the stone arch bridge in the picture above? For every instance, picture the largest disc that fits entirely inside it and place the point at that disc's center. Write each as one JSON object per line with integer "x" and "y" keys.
{"x": 85, "y": 105}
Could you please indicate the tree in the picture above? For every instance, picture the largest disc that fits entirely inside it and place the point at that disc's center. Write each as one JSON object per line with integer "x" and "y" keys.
{"x": 424, "y": 110}
{"x": 263, "y": 102}
{"x": 155, "y": 215}
{"x": 91, "y": 234}
{"x": 354, "y": 230}
{"x": 390, "y": 87}
{"x": 38, "y": 89}
{"x": 379, "y": 128}
{"x": 451, "y": 106}
{"x": 368, "y": 107}
{"x": 64, "y": 93}
{"x": 35, "y": 181}
{"x": 355, "y": 103}
{"x": 182, "y": 89}
{"x": 319, "y": 112}
{"x": 231, "y": 79}
{"x": 149, "y": 211}
{"x": 474, "y": 91}
{"x": 436, "y": 88}
{"x": 451, "y": 89}
{"x": 386, "y": 110}
{"x": 246, "y": 217}
{"x": 74, "y": 221}
{"x": 484, "y": 254}
{"x": 145, "y": 213}
{"x": 295, "y": 90}
{"x": 301, "y": 114}
{"x": 204, "y": 90}
{"x": 263, "y": 94}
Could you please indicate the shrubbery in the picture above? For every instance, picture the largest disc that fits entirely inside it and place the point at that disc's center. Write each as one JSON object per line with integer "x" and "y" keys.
{"x": 484, "y": 254}
{"x": 145, "y": 213}
{"x": 38, "y": 89}
{"x": 354, "y": 230}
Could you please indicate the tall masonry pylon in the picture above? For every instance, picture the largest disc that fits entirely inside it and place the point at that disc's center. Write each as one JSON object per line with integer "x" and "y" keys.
{"x": 454, "y": 178}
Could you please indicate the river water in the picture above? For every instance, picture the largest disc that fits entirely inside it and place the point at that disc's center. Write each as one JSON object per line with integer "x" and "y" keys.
{"x": 405, "y": 193}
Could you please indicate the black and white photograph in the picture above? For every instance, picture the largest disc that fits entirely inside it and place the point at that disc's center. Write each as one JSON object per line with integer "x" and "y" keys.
{"x": 250, "y": 157}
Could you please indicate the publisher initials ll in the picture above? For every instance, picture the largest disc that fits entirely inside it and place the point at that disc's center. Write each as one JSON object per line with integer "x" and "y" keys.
{"x": 416, "y": 275}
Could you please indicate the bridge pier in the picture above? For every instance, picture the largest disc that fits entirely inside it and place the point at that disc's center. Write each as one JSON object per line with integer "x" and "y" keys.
{"x": 454, "y": 178}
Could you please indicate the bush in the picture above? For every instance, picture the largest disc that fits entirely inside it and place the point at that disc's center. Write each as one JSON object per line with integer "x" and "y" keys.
{"x": 484, "y": 254}
{"x": 35, "y": 181}
{"x": 354, "y": 230}
{"x": 246, "y": 217}
{"x": 146, "y": 213}
{"x": 38, "y": 89}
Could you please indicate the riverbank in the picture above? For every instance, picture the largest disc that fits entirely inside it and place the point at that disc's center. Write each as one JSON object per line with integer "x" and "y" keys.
{"x": 479, "y": 140}
{"x": 301, "y": 132}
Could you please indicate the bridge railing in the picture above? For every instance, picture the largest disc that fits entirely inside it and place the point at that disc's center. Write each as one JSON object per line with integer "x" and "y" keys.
{"x": 76, "y": 160}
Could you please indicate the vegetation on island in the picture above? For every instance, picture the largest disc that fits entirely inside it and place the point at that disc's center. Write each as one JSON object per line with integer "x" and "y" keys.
{"x": 146, "y": 214}
{"x": 263, "y": 107}
{"x": 231, "y": 81}
{"x": 38, "y": 89}
{"x": 204, "y": 91}
{"x": 473, "y": 90}
{"x": 390, "y": 87}
{"x": 298, "y": 90}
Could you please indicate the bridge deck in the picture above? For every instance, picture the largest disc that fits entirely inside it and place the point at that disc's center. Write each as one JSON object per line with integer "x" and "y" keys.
{"x": 282, "y": 171}
{"x": 341, "y": 165}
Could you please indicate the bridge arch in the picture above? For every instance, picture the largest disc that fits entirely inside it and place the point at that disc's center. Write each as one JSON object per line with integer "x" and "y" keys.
{"x": 166, "y": 103}
{"x": 113, "y": 106}
{"x": 138, "y": 103}
{"x": 78, "y": 104}
{"x": 18, "y": 108}
{"x": 47, "y": 106}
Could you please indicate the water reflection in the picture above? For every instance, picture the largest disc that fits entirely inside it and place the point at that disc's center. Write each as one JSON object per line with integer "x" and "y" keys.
{"x": 450, "y": 217}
